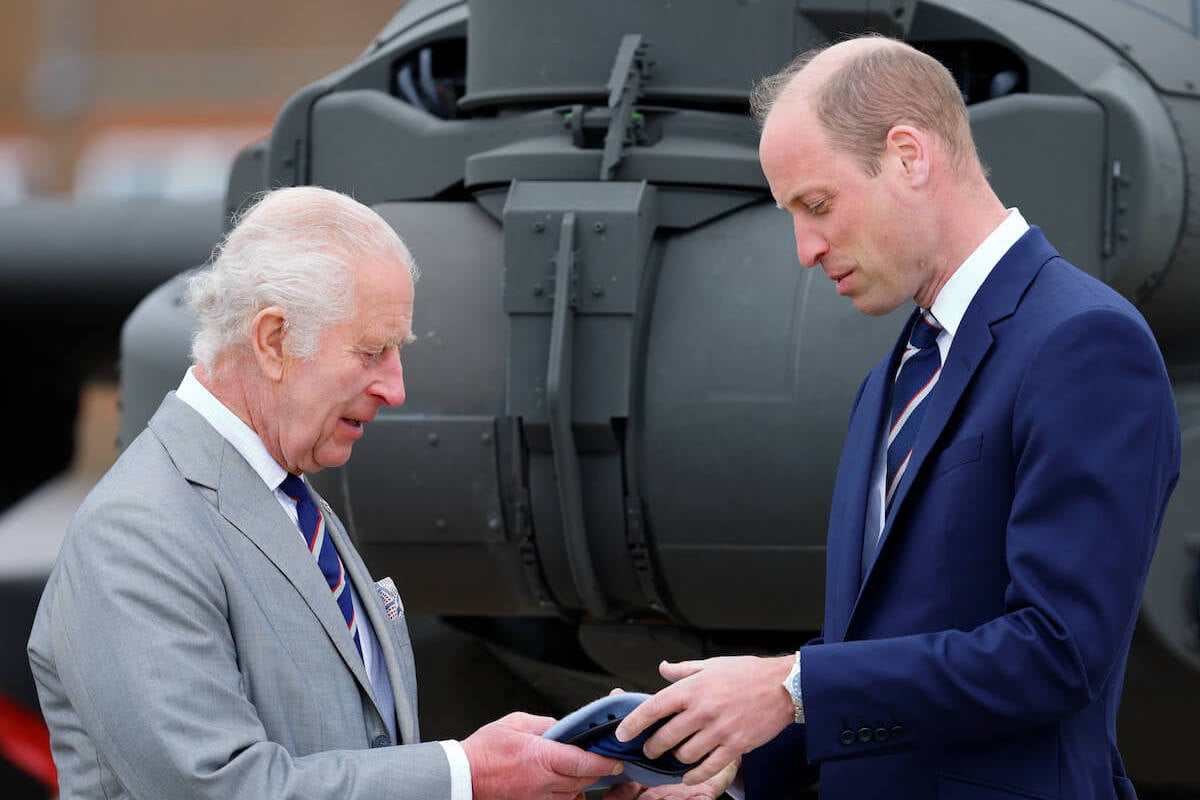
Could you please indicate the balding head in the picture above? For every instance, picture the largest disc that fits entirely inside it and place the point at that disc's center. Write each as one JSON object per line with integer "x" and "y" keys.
{"x": 859, "y": 89}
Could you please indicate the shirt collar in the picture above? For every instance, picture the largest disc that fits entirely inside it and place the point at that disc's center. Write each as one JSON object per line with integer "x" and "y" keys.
{"x": 237, "y": 433}
{"x": 957, "y": 293}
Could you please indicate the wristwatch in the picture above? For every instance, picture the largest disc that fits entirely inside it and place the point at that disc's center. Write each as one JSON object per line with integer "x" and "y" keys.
{"x": 792, "y": 684}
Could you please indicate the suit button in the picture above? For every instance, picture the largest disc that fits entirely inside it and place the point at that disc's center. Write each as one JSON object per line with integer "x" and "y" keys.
{"x": 897, "y": 731}
{"x": 864, "y": 735}
{"x": 381, "y": 740}
{"x": 847, "y": 737}
{"x": 881, "y": 734}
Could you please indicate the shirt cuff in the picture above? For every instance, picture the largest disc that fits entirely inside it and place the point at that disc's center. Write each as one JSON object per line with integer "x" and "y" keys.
{"x": 460, "y": 770}
{"x": 737, "y": 789}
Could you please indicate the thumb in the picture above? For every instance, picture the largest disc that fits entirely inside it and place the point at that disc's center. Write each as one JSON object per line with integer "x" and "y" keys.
{"x": 575, "y": 762}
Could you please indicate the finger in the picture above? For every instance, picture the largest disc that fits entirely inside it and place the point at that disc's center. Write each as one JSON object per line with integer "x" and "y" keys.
{"x": 660, "y": 705}
{"x": 616, "y": 690}
{"x": 696, "y": 743}
{"x": 717, "y": 760}
{"x": 679, "y": 670}
{"x": 675, "y": 730}
{"x": 571, "y": 761}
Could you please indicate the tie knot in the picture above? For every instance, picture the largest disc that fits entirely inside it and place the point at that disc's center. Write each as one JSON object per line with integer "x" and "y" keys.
{"x": 925, "y": 331}
{"x": 293, "y": 486}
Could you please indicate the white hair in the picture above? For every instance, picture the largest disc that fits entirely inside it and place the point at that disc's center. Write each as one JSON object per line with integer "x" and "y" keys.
{"x": 294, "y": 248}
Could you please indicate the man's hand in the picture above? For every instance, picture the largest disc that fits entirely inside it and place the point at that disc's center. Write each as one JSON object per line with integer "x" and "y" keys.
{"x": 710, "y": 789}
{"x": 510, "y": 759}
{"x": 728, "y": 706}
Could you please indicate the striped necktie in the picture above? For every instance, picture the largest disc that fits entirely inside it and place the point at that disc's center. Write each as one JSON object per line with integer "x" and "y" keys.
{"x": 920, "y": 367}
{"x": 312, "y": 528}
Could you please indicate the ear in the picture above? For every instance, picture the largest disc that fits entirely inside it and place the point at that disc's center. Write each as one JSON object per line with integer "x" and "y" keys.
{"x": 908, "y": 149}
{"x": 266, "y": 341}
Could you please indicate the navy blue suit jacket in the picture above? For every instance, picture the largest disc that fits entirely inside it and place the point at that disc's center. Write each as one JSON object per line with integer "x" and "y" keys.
{"x": 983, "y": 654}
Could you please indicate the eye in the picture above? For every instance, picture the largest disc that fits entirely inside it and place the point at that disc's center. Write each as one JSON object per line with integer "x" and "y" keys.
{"x": 818, "y": 208}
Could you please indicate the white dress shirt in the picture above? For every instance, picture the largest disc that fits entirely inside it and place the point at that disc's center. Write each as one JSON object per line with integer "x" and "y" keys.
{"x": 251, "y": 448}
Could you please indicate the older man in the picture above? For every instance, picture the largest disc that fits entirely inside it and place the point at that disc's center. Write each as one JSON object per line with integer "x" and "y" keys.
{"x": 1001, "y": 489}
{"x": 209, "y": 630}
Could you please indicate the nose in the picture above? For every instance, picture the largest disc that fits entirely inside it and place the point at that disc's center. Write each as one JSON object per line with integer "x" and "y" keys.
{"x": 389, "y": 382}
{"x": 811, "y": 246}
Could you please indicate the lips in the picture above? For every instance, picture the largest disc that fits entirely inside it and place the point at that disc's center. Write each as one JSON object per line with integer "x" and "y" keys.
{"x": 839, "y": 280}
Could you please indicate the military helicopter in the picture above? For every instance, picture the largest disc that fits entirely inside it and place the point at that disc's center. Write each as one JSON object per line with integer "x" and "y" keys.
{"x": 624, "y": 414}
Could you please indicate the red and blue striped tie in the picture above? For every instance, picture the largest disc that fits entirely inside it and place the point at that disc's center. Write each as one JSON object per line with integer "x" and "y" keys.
{"x": 920, "y": 367}
{"x": 312, "y": 528}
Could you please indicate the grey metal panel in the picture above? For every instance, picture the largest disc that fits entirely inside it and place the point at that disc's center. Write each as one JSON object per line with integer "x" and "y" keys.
{"x": 689, "y": 147}
{"x": 1046, "y": 154}
{"x": 442, "y": 489}
{"x": 247, "y": 177}
{"x": 615, "y": 231}
{"x": 600, "y": 477}
{"x": 1158, "y": 35}
{"x": 378, "y": 148}
{"x": 290, "y": 147}
{"x": 1173, "y": 320}
{"x": 751, "y": 365}
{"x": 156, "y": 343}
{"x": 454, "y": 579}
{"x": 544, "y": 58}
{"x": 1149, "y": 194}
{"x": 417, "y": 18}
{"x": 615, "y": 226}
{"x": 601, "y": 391}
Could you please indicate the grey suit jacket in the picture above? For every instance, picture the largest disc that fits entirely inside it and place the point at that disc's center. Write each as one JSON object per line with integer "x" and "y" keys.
{"x": 186, "y": 645}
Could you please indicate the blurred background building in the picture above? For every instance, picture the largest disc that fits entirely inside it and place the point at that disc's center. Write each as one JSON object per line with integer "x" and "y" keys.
{"x": 137, "y": 99}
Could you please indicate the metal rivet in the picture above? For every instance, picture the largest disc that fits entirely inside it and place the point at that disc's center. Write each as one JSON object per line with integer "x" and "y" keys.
{"x": 597, "y": 290}
{"x": 432, "y": 439}
{"x": 598, "y": 227}
{"x": 485, "y": 439}
{"x": 538, "y": 227}
{"x": 441, "y": 524}
{"x": 493, "y": 522}
{"x": 537, "y": 290}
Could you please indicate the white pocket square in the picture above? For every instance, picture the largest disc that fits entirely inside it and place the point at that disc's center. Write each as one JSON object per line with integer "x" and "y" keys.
{"x": 390, "y": 597}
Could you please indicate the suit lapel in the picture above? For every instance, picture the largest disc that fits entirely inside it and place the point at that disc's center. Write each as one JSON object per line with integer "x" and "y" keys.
{"x": 204, "y": 457}
{"x": 386, "y": 631}
{"x": 851, "y": 492}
